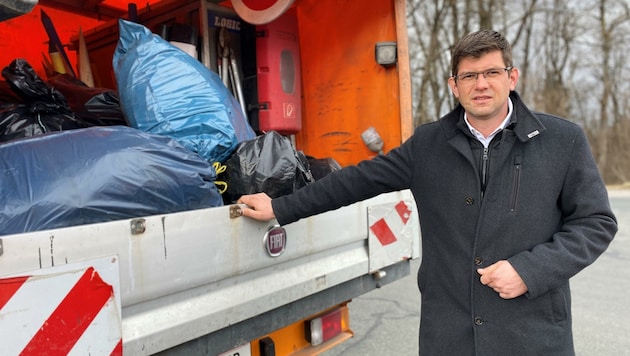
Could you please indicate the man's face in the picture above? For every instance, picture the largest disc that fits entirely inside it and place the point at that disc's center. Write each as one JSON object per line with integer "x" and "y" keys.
{"x": 484, "y": 99}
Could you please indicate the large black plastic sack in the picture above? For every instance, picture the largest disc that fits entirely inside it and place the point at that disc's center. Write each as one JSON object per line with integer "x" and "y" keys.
{"x": 321, "y": 167}
{"x": 163, "y": 90}
{"x": 7, "y": 95}
{"x": 44, "y": 109}
{"x": 268, "y": 164}
{"x": 93, "y": 106}
{"x": 98, "y": 174}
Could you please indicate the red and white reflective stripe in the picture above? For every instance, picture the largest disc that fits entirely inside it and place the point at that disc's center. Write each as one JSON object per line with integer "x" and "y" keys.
{"x": 65, "y": 313}
{"x": 386, "y": 227}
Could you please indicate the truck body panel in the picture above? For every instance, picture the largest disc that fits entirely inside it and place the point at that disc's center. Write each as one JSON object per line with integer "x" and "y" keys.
{"x": 193, "y": 273}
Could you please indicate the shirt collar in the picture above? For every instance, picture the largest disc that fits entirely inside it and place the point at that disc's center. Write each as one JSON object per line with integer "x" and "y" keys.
{"x": 486, "y": 140}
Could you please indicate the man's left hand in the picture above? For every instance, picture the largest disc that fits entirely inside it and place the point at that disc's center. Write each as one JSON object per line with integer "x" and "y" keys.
{"x": 503, "y": 278}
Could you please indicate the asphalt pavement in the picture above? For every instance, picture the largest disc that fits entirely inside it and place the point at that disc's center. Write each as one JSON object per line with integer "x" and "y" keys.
{"x": 385, "y": 321}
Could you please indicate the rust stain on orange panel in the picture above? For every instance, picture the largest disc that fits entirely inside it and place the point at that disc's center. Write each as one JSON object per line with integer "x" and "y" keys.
{"x": 344, "y": 89}
{"x": 339, "y": 141}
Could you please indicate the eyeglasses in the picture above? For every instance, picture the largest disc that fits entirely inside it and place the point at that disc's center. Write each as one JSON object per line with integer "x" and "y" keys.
{"x": 489, "y": 74}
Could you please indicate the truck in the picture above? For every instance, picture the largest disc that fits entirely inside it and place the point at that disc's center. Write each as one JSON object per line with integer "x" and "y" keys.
{"x": 209, "y": 281}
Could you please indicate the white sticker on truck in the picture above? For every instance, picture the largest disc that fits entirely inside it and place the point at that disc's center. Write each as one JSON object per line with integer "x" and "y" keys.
{"x": 243, "y": 350}
{"x": 71, "y": 309}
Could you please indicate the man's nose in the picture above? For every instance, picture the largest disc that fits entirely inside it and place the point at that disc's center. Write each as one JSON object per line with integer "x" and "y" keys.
{"x": 481, "y": 80}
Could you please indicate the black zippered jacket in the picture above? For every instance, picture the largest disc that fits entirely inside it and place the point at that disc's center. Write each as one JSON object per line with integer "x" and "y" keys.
{"x": 545, "y": 209}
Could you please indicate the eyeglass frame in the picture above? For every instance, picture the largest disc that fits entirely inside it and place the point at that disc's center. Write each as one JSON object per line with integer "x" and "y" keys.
{"x": 457, "y": 78}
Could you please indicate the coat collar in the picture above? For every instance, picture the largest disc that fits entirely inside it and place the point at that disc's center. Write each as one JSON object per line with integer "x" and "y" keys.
{"x": 523, "y": 122}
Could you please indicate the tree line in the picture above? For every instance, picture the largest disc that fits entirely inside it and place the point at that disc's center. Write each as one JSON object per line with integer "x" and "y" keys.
{"x": 571, "y": 56}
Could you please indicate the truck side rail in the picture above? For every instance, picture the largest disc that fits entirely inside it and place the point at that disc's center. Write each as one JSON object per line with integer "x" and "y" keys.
{"x": 189, "y": 274}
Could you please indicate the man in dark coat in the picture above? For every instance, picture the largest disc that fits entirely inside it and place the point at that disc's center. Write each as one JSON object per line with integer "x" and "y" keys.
{"x": 511, "y": 206}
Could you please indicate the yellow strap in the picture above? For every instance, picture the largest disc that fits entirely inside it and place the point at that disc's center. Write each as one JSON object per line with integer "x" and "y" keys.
{"x": 221, "y": 185}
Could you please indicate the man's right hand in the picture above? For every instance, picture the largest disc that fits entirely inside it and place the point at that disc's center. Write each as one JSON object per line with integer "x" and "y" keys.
{"x": 258, "y": 206}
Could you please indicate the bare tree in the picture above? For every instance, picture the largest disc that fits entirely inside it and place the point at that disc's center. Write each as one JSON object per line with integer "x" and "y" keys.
{"x": 605, "y": 81}
{"x": 553, "y": 95}
{"x": 572, "y": 57}
{"x": 430, "y": 59}
{"x": 486, "y": 10}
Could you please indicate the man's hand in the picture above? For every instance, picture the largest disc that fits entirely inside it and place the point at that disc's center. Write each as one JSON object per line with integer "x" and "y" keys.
{"x": 504, "y": 279}
{"x": 258, "y": 206}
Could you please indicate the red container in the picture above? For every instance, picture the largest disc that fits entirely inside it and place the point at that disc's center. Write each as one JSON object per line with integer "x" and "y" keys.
{"x": 278, "y": 75}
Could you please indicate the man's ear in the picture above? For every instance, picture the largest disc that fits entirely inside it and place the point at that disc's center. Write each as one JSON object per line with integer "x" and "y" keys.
{"x": 453, "y": 85}
{"x": 514, "y": 75}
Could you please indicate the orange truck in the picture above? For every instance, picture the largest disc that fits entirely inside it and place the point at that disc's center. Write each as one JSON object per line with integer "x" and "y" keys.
{"x": 333, "y": 76}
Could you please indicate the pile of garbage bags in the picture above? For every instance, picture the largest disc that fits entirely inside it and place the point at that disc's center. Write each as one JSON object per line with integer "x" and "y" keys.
{"x": 76, "y": 155}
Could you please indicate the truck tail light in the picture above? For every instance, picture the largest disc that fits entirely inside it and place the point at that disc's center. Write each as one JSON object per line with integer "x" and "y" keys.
{"x": 327, "y": 326}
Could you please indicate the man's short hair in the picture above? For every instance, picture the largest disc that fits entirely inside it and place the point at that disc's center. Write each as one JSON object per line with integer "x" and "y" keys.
{"x": 476, "y": 44}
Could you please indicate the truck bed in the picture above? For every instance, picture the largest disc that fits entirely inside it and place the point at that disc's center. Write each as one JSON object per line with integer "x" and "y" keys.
{"x": 188, "y": 275}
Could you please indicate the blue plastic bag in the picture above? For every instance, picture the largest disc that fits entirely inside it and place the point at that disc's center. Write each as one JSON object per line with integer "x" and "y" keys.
{"x": 165, "y": 91}
{"x": 99, "y": 174}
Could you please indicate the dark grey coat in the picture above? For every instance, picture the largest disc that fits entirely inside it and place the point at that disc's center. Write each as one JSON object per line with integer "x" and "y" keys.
{"x": 545, "y": 210}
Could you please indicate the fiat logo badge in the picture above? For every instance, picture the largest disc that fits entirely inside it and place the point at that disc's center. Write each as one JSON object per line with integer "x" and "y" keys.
{"x": 275, "y": 240}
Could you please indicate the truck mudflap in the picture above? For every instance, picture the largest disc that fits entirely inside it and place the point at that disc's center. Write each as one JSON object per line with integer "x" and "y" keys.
{"x": 72, "y": 309}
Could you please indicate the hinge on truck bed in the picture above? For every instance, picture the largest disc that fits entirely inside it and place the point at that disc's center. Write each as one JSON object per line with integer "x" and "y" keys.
{"x": 235, "y": 211}
{"x": 137, "y": 226}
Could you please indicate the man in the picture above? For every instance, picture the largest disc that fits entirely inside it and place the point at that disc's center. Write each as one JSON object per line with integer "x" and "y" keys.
{"x": 511, "y": 206}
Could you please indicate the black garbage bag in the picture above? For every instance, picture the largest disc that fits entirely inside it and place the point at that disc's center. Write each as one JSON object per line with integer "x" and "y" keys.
{"x": 268, "y": 164}
{"x": 321, "y": 167}
{"x": 99, "y": 174}
{"x": 7, "y": 95}
{"x": 44, "y": 108}
{"x": 29, "y": 86}
{"x": 93, "y": 106}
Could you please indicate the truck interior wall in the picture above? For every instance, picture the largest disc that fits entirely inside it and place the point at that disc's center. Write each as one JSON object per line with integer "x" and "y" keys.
{"x": 101, "y": 41}
{"x": 344, "y": 90}
{"x": 25, "y": 36}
